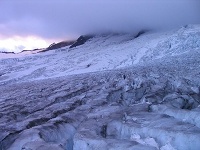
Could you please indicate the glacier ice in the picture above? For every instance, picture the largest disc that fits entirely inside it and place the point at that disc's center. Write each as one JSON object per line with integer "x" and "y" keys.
{"x": 138, "y": 94}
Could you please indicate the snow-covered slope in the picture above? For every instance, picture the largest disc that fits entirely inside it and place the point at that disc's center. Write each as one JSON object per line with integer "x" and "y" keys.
{"x": 101, "y": 53}
{"x": 113, "y": 93}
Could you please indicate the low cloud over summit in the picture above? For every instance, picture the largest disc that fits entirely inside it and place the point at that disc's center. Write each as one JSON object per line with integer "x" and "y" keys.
{"x": 59, "y": 19}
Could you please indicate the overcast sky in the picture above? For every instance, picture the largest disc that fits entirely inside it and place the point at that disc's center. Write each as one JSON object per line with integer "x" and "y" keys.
{"x": 65, "y": 19}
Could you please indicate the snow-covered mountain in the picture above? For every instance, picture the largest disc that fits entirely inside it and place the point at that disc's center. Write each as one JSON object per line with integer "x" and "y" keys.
{"x": 102, "y": 53}
{"x": 113, "y": 92}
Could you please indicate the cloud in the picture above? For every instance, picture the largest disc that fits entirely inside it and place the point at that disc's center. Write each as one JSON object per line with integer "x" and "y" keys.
{"x": 60, "y": 19}
{"x": 17, "y": 44}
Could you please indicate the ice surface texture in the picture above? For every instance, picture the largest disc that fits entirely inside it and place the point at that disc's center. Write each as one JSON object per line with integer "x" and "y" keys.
{"x": 147, "y": 102}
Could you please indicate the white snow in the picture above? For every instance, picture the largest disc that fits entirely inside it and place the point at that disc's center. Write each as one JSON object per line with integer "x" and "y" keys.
{"x": 99, "y": 53}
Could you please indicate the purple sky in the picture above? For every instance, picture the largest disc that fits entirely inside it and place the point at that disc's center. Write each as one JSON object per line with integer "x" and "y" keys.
{"x": 65, "y": 19}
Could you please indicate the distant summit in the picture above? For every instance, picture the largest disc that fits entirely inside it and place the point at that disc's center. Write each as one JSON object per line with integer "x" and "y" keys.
{"x": 81, "y": 40}
{"x": 60, "y": 45}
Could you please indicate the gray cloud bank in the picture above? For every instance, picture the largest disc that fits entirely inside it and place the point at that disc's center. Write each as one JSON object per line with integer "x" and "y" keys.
{"x": 69, "y": 18}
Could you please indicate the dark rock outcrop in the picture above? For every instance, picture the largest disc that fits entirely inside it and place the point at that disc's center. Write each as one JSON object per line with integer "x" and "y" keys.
{"x": 8, "y": 52}
{"x": 81, "y": 40}
{"x": 141, "y": 32}
{"x": 59, "y": 45}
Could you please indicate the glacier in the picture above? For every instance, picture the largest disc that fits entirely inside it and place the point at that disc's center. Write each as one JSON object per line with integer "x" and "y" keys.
{"x": 114, "y": 92}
